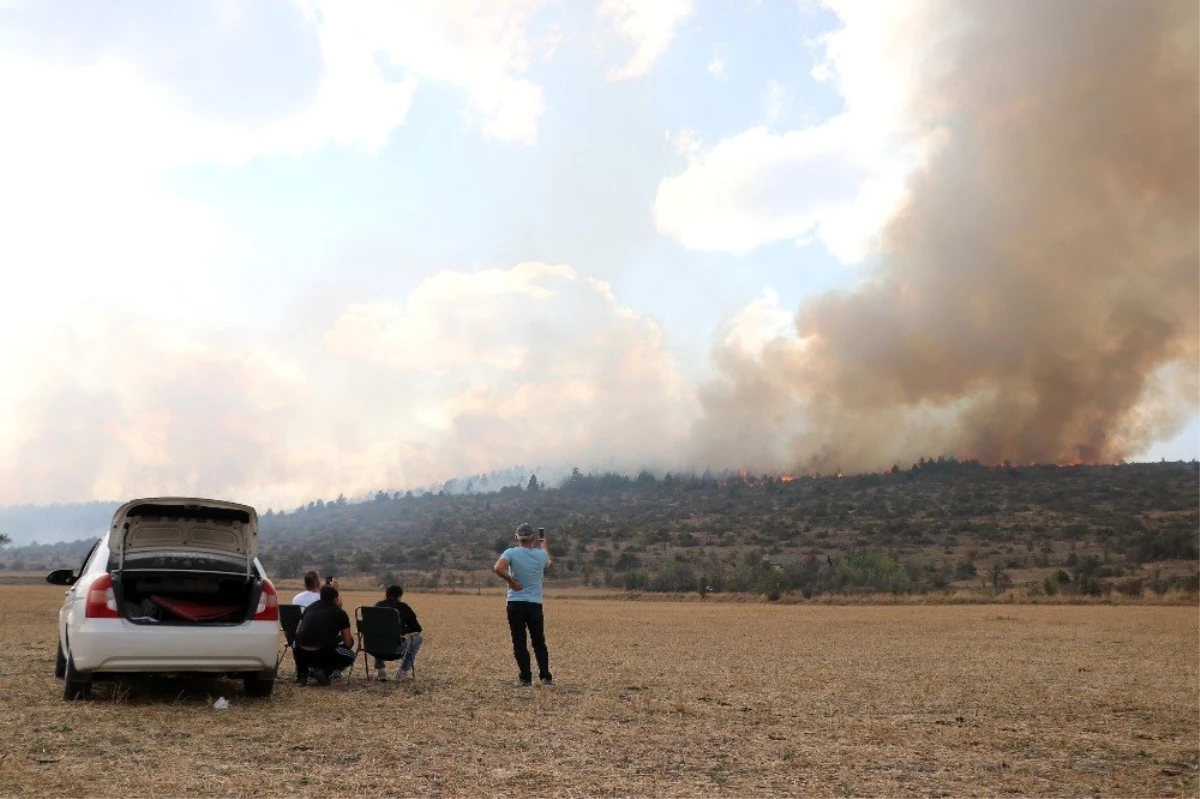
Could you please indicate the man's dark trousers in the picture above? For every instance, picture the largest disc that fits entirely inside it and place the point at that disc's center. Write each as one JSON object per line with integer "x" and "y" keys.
{"x": 522, "y": 616}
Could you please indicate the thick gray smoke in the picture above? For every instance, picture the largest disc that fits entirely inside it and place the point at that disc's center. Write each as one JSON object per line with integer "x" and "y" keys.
{"x": 1038, "y": 297}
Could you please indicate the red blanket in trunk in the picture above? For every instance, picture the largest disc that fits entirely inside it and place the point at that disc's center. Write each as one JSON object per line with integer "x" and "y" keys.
{"x": 194, "y": 611}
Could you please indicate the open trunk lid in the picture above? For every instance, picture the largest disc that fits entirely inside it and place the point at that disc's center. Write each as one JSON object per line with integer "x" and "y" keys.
{"x": 168, "y": 532}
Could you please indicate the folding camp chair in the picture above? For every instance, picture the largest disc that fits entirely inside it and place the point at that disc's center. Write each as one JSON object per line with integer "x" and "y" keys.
{"x": 380, "y": 635}
{"x": 289, "y": 620}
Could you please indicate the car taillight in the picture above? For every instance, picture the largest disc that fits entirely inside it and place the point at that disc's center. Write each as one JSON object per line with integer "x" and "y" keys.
{"x": 268, "y": 604}
{"x": 101, "y": 601}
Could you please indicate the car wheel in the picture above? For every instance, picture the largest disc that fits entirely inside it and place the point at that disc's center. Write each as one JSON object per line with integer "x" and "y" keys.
{"x": 60, "y": 663}
{"x": 259, "y": 684}
{"x": 76, "y": 685}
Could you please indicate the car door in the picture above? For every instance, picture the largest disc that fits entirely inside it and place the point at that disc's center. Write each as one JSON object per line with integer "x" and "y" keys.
{"x": 78, "y": 590}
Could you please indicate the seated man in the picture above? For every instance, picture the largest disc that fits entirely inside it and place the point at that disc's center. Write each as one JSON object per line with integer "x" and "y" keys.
{"x": 410, "y": 628}
{"x": 324, "y": 645}
{"x": 311, "y": 592}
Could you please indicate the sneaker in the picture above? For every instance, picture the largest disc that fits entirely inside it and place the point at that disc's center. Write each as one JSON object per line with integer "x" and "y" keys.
{"x": 547, "y": 681}
{"x": 524, "y": 683}
{"x": 321, "y": 677}
{"x": 333, "y": 675}
{"x": 405, "y": 675}
{"x": 381, "y": 674}
{"x": 302, "y": 679}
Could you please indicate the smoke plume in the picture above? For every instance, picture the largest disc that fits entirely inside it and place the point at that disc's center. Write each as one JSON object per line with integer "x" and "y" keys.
{"x": 1037, "y": 296}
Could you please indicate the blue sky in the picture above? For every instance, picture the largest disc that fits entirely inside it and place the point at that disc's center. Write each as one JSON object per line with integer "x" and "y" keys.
{"x": 360, "y": 246}
{"x": 445, "y": 197}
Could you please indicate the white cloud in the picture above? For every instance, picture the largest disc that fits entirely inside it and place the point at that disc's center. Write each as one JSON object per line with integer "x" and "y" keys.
{"x": 761, "y": 321}
{"x": 95, "y": 119}
{"x": 535, "y": 364}
{"x": 840, "y": 180}
{"x": 649, "y": 25}
{"x": 716, "y": 67}
{"x": 477, "y": 45}
{"x": 114, "y": 104}
{"x": 535, "y": 361}
{"x": 452, "y": 319}
{"x": 758, "y": 187}
{"x": 109, "y": 112}
{"x": 144, "y": 407}
{"x": 685, "y": 142}
{"x": 880, "y": 54}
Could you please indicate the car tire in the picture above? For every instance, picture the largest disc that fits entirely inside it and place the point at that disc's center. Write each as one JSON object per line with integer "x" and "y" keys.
{"x": 76, "y": 685}
{"x": 260, "y": 685}
{"x": 60, "y": 663}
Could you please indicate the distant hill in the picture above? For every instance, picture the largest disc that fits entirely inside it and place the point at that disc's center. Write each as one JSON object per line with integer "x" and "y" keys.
{"x": 940, "y": 523}
{"x": 47, "y": 524}
{"x": 69, "y": 522}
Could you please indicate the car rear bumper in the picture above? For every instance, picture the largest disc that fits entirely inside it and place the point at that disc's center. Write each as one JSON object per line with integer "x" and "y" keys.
{"x": 116, "y": 645}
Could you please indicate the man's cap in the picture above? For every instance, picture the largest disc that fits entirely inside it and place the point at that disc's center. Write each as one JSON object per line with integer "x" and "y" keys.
{"x": 525, "y": 530}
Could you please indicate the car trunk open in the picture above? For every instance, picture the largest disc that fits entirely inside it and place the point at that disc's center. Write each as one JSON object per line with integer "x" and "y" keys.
{"x": 179, "y": 597}
{"x": 185, "y": 562}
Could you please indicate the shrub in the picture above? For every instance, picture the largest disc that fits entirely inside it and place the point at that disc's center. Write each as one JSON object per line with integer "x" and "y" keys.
{"x": 1164, "y": 545}
{"x": 626, "y": 561}
{"x": 1131, "y": 587}
{"x": 673, "y": 577}
{"x": 1089, "y": 565}
{"x": 1157, "y": 584}
{"x": 771, "y": 584}
{"x": 635, "y": 580}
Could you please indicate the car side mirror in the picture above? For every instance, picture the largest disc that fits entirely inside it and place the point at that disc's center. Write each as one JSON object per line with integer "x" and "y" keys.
{"x": 61, "y": 577}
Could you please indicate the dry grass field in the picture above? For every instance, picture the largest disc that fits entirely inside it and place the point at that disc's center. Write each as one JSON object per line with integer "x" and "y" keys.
{"x": 654, "y": 699}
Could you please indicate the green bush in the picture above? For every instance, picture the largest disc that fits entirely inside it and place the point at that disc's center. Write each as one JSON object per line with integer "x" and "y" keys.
{"x": 673, "y": 577}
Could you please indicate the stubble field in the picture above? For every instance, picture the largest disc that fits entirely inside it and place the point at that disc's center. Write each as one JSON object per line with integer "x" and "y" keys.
{"x": 653, "y": 699}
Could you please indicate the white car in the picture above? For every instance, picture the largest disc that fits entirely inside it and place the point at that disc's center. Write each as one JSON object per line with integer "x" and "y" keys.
{"x": 174, "y": 586}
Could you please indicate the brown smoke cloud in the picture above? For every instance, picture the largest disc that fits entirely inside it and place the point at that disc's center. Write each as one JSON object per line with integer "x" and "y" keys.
{"x": 1038, "y": 296}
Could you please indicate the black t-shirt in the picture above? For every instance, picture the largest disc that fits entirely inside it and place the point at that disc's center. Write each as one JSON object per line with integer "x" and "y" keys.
{"x": 408, "y": 619}
{"x": 321, "y": 625}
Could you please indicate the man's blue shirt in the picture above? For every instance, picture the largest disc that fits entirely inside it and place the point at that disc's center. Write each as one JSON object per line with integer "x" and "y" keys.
{"x": 527, "y": 567}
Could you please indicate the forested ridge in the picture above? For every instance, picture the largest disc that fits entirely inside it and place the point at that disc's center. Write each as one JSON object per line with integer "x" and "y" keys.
{"x": 940, "y": 523}
{"x": 935, "y": 526}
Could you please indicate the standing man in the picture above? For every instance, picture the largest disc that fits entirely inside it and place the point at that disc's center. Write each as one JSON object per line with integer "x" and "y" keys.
{"x": 311, "y": 592}
{"x": 324, "y": 645}
{"x": 523, "y": 567}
